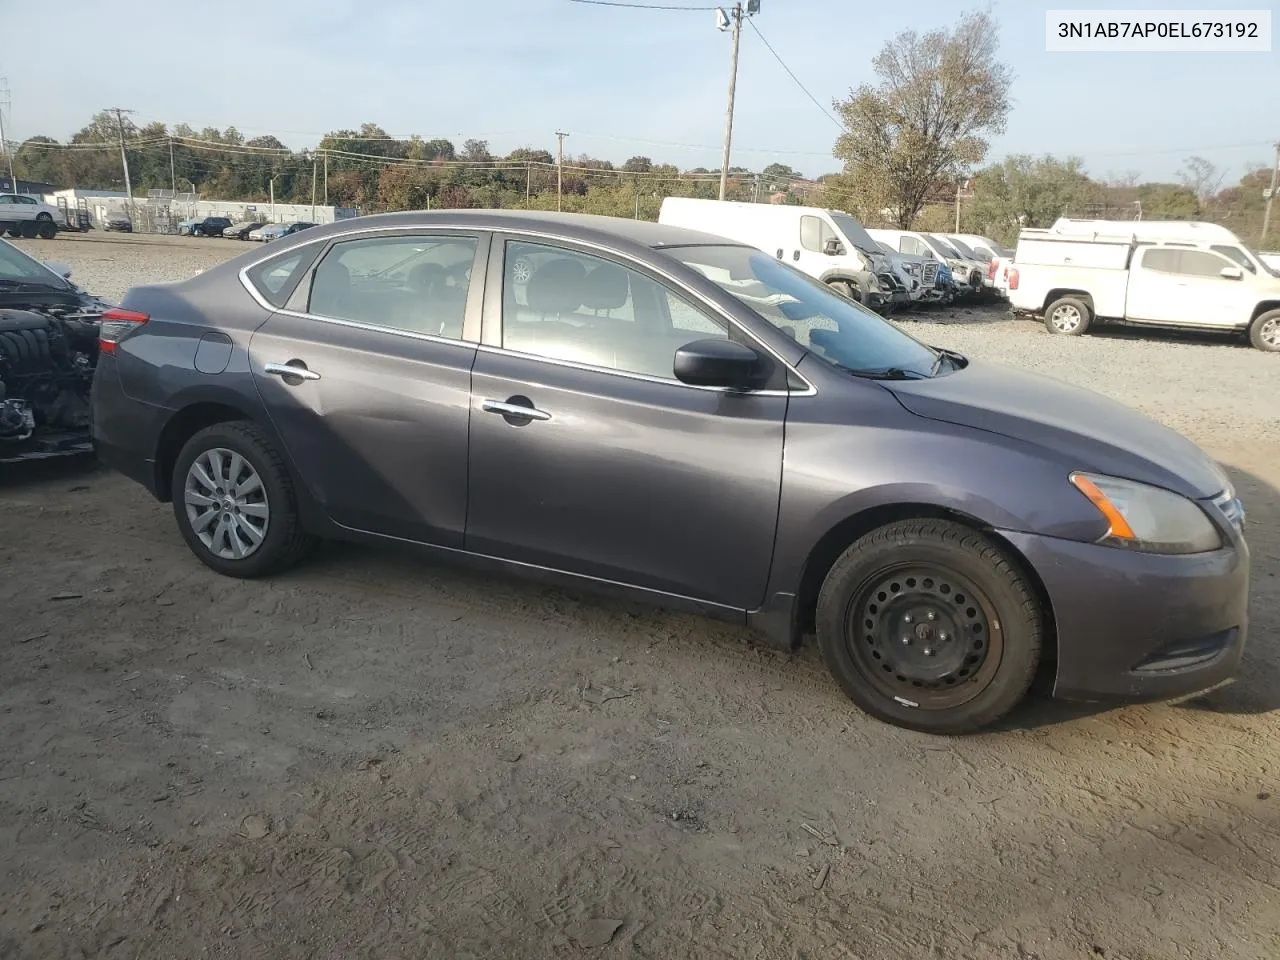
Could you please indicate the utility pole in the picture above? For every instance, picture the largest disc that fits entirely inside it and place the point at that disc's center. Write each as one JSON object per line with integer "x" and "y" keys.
{"x": 124, "y": 157}
{"x": 326, "y": 178}
{"x": 313, "y": 188}
{"x": 1271, "y": 195}
{"x": 959, "y": 188}
{"x": 735, "y": 18}
{"x": 173, "y": 180}
{"x": 528, "y": 183}
{"x": 560, "y": 170}
{"x": 13, "y": 182}
{"x": 272, "y": 187}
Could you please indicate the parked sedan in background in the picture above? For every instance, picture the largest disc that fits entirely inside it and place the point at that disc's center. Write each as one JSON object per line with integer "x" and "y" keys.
{"x": 687, "y": 420}
{"x": 274, "y": 231}
{"x": 117, "y": 223}
{"x": 241, "y": 231}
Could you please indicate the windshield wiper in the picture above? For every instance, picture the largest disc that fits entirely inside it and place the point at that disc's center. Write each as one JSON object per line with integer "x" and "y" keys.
{"x": 886, "y": 373}
{"x": 9, "y": 283}
{"x": 957, "y": 360}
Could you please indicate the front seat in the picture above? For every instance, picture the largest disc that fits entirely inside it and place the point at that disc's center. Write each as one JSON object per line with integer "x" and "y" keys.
{"x": 331, "y": 294}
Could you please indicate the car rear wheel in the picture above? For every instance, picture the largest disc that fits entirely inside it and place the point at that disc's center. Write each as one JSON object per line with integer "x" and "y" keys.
{"x": 1264, "y": 332}
{"x": 928, "y": 625}
{"x": 1069, "y": 316}
{"x": 234, "y": 502}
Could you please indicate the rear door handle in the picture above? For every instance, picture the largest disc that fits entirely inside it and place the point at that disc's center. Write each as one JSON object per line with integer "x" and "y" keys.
{"x": 291, "y": 370}
{"x": 517, "y": 410}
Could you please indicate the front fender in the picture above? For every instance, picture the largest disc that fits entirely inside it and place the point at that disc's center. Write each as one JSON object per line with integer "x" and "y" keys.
{"x": 835, "y": 472}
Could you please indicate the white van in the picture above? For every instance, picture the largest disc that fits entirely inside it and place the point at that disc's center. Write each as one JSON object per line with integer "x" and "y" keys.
{"x": 826, "y": 244}
{"x": 1076, "y": 281}
{"x": 1217, "y": 238}
{"x": 968, "y": 275}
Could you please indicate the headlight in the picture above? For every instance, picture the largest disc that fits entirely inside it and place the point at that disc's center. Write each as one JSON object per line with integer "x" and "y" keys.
{"x": 1147, "y": 518}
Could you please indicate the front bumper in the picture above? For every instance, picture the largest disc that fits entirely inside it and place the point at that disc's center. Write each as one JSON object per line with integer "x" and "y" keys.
{"x": 1139, "y": 626}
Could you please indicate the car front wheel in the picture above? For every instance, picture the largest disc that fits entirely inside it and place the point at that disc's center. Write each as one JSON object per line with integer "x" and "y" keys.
{"x": 928, "y": 625}
{"x": 234, "y": 502}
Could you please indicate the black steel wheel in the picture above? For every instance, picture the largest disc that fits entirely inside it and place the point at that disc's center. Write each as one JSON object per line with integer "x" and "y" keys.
{"x": 925, "y": 633}
{"x": 929, "y": 625}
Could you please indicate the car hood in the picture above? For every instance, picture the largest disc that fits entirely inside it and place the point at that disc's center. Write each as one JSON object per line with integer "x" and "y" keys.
{"x": 1087, "y": 430}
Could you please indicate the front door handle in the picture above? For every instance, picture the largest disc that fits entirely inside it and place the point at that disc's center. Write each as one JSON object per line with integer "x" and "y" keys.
{"x": 516, "y": 411}
{"x": 291, "y": 369}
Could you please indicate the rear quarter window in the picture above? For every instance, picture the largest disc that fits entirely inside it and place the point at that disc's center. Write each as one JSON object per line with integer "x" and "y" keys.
{"x": 275, "y": 278}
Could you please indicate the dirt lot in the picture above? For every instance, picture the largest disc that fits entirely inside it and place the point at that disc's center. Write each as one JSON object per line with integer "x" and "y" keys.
{"x": 377, "y": 757}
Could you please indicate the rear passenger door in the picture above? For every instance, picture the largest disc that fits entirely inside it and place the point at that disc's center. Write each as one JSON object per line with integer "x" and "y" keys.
{"x": 619, "y": 471}
{"x": 365, "y": 370}
{"x": 1176, "y": 285}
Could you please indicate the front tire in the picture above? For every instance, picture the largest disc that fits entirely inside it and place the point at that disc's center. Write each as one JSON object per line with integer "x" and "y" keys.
{"x": 46, "y": 229}
{"x": 847, "y": 289}
{"x": 1264, "y": 332}
{"x": 928, "y": 625}
{"x": 234, "y": 502}
{"x": 1069, "y": 316}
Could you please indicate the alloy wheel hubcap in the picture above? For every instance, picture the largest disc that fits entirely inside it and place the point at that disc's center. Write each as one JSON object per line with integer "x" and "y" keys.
{"x": 1270, "y": 334}
{"x": 1065, "y": 319}
{"x": 924, "y": 636}
{"x": 226, "y": 504}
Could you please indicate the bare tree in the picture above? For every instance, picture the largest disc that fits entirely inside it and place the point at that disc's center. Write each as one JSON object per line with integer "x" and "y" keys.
{"x": 939, "y": 95}
{"x": 1200, "y": 177}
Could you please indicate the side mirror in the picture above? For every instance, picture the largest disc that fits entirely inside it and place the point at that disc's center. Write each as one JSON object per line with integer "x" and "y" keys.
{"x": 58, "y": 267}
{"x": 719, "y": 363}
{"x": 1231, "y": 273}
{"x": 833, "y": 248}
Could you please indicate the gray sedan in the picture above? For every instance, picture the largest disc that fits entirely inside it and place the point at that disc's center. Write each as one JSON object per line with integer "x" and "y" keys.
{"x": 680, "y": 418}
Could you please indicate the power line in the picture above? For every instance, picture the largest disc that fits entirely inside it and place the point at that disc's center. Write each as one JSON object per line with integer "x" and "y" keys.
{"x": 792, "y": 75}
{"x": 638, "y": 6}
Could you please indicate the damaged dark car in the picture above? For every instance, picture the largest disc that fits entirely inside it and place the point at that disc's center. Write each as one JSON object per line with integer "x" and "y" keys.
{"x": 48, "y": 351}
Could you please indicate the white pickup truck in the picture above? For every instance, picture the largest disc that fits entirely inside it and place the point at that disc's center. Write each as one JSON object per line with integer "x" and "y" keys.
{"x": 1074, "y": 282}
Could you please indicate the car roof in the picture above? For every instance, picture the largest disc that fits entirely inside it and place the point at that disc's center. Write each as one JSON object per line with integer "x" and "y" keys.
{"x": 568, "y": 226}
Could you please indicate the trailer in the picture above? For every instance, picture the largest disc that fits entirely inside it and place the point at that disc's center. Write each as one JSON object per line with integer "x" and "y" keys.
{"x": 77, "y": 220}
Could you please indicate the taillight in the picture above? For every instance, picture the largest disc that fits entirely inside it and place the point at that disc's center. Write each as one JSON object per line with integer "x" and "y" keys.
{"x": 991, "y": 270}
{"x": 1013, "y": 278}
{"x": 116, "y": 324}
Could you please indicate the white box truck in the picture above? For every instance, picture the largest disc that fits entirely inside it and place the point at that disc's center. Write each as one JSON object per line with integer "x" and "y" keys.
{"x": 826, "y": 244}
{"x": 1074, "y": 282}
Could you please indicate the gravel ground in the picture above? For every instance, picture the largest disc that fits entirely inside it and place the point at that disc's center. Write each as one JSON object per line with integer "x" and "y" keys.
{"x": 377, "y": 757}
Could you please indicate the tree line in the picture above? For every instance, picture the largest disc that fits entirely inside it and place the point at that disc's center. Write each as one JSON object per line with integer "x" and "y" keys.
{"x": 912, "y": 141}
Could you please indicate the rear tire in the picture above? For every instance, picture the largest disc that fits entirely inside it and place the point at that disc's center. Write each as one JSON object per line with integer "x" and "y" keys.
{"x": 235, "y": 470}
{"x": 1068, "y": 316}
{"x": 1264, "y": 332}
{"x": 928, "y": 625}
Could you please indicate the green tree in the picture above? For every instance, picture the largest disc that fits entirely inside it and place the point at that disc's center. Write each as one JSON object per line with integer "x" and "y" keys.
{"x": 939, "y": 96}
{"x": 1026, "y": 191}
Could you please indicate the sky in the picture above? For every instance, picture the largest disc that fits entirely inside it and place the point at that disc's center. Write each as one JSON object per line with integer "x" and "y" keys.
{"x": 620, "y": 82}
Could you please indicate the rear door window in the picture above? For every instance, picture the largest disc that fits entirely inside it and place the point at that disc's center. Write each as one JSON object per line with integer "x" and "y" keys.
{"x": 411, "y": 283}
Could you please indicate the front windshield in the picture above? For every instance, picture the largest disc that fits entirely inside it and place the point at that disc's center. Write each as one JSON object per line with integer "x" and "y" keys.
{"x": 943, "y": 247}
{"x": 837, "y": 330}
{"x": 16, "y": 266}
{"x": 855, "y": 233}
